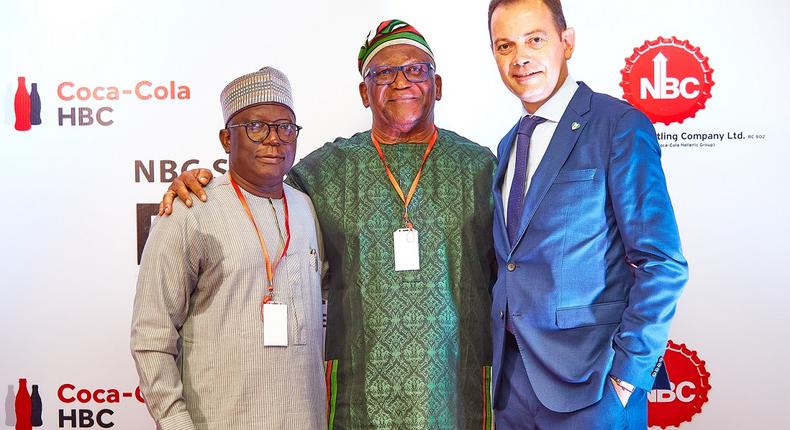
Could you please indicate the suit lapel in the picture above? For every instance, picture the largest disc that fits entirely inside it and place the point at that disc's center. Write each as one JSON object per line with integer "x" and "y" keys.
{"x": 503, "y": 155}
{"x": 562, "y": 142}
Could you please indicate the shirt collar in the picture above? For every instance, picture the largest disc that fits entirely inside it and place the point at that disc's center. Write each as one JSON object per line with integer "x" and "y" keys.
{"x": 555, "y": 106}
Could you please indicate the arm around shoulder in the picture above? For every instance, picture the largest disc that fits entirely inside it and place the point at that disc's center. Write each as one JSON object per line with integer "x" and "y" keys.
{"x": 190, "y": 181}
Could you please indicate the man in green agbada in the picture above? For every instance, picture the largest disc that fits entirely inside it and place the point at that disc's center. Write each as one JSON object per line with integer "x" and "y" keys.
{"x": 405, "y": 349}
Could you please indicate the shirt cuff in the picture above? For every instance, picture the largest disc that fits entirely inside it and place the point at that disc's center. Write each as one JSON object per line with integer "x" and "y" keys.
{"x": 627, "y": 386}
{"x": 179, "y": 421}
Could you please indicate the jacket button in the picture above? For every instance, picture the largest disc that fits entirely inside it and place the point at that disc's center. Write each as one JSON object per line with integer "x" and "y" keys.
{"x": 511, "y": 266}
{"x": 501, "y": 315}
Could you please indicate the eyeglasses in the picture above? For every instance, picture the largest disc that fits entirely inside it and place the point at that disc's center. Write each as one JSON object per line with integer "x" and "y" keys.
{"x": 258, "y": 131}
{"x": 414, "y": 73}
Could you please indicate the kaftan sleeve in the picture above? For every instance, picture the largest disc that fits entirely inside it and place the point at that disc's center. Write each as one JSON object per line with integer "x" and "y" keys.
{"x": 168, "y": 275}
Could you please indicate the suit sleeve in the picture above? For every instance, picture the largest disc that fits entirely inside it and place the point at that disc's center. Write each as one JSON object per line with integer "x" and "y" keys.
{"x": 168, "y": 275}
{"x": 646, "y": 223}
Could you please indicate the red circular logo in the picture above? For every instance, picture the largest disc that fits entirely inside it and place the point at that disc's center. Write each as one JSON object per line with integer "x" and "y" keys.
{"x": 689, "y": 388}
{"x": 668, "y": 79}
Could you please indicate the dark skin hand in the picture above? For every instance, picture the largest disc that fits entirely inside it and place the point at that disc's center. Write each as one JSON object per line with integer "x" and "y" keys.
{"x": 186, "y": 184}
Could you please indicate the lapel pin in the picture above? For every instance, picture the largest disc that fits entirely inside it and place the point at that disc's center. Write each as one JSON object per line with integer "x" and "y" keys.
{"x": 575, "y": 125}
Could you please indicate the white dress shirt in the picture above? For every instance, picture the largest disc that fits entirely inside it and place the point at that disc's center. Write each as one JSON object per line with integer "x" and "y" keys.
{"x": 552, "y": 110}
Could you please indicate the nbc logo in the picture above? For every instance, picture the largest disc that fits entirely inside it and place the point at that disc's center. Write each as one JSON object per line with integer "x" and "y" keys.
{"x": 27, "y": 105}
{"x": 668, "y": 79}
{"x": 26, "y": 412}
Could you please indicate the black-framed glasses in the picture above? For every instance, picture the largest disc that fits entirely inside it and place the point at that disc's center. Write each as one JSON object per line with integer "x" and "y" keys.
{"x": 258, "y": 131}
{"x": 414, "y": 73}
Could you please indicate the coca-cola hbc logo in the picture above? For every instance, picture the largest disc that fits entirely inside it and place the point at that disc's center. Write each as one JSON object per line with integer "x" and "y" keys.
{"x": 689, "y": 387}
{"x": 78, "y": 101}
{"x": 27, "y": 105}
{"x": 26, "y": 413}
{"x": 668, "y": 79}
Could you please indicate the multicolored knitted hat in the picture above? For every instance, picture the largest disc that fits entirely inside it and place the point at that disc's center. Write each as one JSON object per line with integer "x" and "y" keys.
{"x": 267, "y": 85}
{"x": 388, "y": 33}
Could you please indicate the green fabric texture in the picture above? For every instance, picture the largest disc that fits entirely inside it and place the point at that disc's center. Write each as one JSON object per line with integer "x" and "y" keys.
{"x": 410, "y": 346}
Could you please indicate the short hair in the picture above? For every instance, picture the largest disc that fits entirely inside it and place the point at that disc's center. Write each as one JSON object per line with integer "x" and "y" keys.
{"x": 555, "y": 6}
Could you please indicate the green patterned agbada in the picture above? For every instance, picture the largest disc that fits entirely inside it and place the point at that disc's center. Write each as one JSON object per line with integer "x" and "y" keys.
{"x": 410, "y": 349}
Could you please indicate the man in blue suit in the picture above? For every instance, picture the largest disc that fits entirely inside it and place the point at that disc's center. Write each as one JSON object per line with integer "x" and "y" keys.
{"x": 590, "y": 263}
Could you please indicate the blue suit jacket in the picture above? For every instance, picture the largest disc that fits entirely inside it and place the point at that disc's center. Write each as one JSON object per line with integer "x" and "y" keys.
{"x": 591, "y": 283}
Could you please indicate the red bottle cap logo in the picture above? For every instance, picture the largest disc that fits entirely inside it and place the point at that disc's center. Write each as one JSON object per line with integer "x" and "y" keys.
{"x": 668, "y": 79}
{"x": 690, "y": 385}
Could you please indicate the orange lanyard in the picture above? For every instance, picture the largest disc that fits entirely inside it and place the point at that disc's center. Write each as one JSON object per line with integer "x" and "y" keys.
{"x": 407, "y": 198}
{"x": 270, "y": 268}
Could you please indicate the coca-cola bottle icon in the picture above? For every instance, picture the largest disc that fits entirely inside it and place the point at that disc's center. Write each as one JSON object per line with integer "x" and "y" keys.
{"x": 22, "y": 106}
{"x": 23, "y": 405}
{"x": 35, "y": 106}
{"x": 8, "y": 403}
{"x": 35, "y": 406}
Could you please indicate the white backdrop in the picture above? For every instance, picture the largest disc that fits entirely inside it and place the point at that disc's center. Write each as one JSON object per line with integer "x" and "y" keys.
{"x": 69, "y": 217}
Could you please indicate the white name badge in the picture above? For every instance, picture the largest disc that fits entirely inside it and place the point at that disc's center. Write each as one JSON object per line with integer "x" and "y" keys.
{"x": 407, "y": 249}
{"x": 275, "y": 324}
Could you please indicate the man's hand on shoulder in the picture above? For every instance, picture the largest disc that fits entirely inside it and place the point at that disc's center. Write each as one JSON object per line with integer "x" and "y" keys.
{"x": 191, "y": 181}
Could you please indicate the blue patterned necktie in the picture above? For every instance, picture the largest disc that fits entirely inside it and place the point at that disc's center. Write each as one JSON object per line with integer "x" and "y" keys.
{"x": 515, "y": 202}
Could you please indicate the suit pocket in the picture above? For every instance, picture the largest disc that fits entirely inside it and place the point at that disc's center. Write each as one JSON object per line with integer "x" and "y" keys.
{"x": 595, "y": 314}
{"x": 575, "y": 175}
